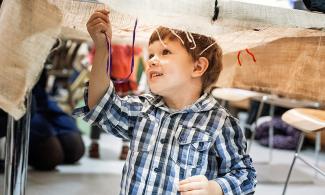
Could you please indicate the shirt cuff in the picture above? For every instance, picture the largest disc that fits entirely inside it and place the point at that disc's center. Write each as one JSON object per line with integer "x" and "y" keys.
{"x": 225, "y": 186}
{"x": 94, "y": 115}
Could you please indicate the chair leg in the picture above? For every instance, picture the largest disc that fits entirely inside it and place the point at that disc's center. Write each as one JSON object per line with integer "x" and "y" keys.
{"x": 312, "y": 166}
{"x": 253, "y": 126}
{"x": 317, "y": 149}
{"x": 271, "y": 134}
{"x": 301, "y": 141}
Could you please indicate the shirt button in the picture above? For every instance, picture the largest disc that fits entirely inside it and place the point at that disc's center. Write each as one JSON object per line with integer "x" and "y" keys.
{"x": 162, "y": 141}
{"x": 182, "y": 137}
{"x": 157, "y": 169}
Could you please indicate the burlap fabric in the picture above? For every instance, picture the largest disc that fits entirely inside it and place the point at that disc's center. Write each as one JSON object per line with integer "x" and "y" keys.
{"x": 27, "y": 32}
{"x": 293, "y": 66}
{"x": 29, "y": 27}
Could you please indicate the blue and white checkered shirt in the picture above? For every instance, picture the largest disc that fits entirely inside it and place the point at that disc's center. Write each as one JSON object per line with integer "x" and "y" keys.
{"x": 167, "y": 147}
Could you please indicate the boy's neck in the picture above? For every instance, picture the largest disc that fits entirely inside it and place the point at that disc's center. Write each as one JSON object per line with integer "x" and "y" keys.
{"x": 180, "y": 101}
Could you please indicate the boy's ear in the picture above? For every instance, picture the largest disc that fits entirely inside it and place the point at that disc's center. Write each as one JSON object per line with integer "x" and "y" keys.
{"x": 200, "y": 66}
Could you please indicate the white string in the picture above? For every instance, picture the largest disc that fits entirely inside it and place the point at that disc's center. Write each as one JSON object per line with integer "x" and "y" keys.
{"x": 174, "y": 33}
{"x": 160, "y": 39}
{"x": 194, "y": 44}
{"x": 207, "y": 48}
{"x": 188, "y": 38}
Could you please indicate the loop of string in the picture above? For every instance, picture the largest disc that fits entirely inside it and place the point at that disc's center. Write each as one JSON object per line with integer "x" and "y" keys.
{"x": 109, "y": 60}
{"x": 249, "y": 52}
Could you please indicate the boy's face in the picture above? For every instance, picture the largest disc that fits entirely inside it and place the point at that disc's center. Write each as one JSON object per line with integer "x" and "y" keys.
{"x": 169, "y": 69}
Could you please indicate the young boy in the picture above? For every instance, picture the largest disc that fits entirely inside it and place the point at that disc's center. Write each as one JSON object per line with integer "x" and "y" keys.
{"x": 181, "y": 140}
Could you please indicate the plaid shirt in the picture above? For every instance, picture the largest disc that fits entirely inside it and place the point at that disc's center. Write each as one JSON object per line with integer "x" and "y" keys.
{"x": 166, "y": 146}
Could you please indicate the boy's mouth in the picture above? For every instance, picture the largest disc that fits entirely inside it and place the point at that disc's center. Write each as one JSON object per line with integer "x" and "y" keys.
{"x": 154, "y": 74}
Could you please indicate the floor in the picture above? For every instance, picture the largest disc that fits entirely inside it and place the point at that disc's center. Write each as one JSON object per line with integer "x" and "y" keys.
{"x": 101, "y": 177}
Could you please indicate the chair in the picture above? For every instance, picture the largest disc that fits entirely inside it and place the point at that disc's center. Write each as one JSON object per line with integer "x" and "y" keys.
{"x": 233, "y": 95}
{"x": 307, "y": 121}
{"x": 274, "y": 100}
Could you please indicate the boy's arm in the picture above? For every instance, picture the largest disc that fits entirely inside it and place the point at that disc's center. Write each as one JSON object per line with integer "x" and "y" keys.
{"x": 99, "y": 81}
{"x": 99, "y": 27}
{"x": 103, "y": 106}
{"x": 236, "y": 174}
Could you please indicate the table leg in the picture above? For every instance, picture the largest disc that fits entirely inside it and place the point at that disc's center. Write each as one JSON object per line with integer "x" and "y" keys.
{"x": 16, "y": 159}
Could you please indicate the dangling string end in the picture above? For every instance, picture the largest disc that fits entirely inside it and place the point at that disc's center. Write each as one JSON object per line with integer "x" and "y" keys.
{"x": 109, "y": 60}
{"x": 109, "y": 49}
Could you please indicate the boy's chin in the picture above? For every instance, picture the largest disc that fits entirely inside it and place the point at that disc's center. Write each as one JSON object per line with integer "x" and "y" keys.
{"x": 156, "y": 92}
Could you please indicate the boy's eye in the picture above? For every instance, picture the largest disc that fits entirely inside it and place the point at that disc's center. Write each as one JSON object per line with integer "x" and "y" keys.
{"x": 165, "y": 52}
{"x": 150, "y": 56}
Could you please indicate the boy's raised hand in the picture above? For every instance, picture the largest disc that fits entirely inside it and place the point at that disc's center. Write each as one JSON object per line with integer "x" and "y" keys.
{"x": 199, "y": 185}
{"x": 98, "y": 27}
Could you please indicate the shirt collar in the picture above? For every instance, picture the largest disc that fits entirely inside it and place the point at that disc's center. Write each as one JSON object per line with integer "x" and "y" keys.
{"x": 204, "y": 103}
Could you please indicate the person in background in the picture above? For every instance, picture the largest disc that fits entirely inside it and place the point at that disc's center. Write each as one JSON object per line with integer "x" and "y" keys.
{"x": 54, "y": 136}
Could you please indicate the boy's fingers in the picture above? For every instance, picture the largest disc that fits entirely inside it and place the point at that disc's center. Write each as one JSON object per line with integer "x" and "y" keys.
{"x": 101, "y": 28}
{"x": 190, "y": 186}
{"x": 98, "y": 15}
{"x": 104, "y": 11}
{"x": 193, "y": 179}
{"x": 97, "y": 21}
{"x": 196, "y": 192}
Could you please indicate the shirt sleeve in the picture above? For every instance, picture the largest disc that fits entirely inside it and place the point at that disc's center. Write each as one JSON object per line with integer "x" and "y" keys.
{"x": 236, "y": 174}
{"x": 112, "y": 113}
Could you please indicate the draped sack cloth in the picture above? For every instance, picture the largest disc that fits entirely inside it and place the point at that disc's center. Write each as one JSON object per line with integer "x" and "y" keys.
{"x": 27, "y": 32}
{"x": 291, "y": 66}
{"x": 29, "y": 27}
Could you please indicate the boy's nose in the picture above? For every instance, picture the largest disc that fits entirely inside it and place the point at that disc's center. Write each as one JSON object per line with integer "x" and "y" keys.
{"x": 154, "y": 61}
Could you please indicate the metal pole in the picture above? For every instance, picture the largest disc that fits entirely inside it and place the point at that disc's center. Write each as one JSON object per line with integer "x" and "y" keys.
{"x": 17, "y": 143}
{"x": 254, "y": 125}
{"x": 317, "y": 149}
{"x": 301, "y": 141}
{"x": 271, "y": 133}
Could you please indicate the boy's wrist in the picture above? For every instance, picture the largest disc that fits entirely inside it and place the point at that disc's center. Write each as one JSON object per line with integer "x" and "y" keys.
{"x": 102, "y": 50}
{"x": 101, "y": 53}
{"x": 214, "y": 187}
